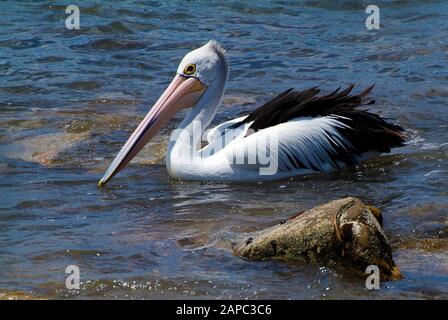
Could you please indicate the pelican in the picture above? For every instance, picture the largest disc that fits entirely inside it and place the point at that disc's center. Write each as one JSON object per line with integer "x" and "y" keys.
{"x": 296, "y": 132}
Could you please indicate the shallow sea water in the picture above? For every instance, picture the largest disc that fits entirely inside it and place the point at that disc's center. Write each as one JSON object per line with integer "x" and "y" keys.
{"x": 70, "y": 98}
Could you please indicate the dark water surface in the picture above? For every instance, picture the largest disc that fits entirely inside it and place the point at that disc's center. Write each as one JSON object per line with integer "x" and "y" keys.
{"x": 70, "y": 98}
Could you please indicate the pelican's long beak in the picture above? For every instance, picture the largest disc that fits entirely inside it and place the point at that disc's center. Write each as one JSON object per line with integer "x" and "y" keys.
{"x": 182, "y": 93}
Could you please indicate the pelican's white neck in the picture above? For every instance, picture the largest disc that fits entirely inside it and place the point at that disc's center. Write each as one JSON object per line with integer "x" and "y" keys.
{"x": 185, "y": 141}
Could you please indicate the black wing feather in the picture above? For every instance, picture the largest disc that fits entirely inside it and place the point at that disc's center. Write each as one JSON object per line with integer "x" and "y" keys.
{"x": 364, "y": 130}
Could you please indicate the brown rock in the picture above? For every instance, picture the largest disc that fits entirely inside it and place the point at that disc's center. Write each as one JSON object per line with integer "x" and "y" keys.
{"x": 342, "y": 232}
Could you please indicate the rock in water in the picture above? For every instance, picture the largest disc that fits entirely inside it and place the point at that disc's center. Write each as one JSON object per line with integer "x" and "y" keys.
{"x": 342, "y": 232}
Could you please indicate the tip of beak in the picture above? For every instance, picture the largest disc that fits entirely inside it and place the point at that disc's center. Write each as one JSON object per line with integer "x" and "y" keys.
{"x": 101, "y": 183}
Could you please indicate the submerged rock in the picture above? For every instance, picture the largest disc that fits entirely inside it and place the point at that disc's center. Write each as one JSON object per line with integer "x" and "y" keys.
{"x": 44, "y": 149}
{"x": 342, "y": 232}
{"x": 16, "y": 296}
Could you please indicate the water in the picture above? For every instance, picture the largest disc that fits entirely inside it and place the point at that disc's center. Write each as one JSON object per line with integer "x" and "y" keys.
{"x": 70, "y": 98}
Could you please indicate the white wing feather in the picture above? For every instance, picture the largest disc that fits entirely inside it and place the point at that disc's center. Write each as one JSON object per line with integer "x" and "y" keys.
{"x": 299, "y": 144}
{"x": 221, "y": 136}
{"x": 219, "y": 130}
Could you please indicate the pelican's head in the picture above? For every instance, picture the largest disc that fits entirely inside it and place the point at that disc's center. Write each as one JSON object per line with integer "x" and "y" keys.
{"x": 206, "y": 63}
{"x": 197, "y": 72}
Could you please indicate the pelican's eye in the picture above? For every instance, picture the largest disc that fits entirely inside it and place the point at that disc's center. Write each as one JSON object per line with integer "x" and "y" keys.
{"x": 190, "y": 69}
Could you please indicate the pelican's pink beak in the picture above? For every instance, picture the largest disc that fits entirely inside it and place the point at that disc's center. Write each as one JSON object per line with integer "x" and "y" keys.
{"x": 183, "y": 92}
